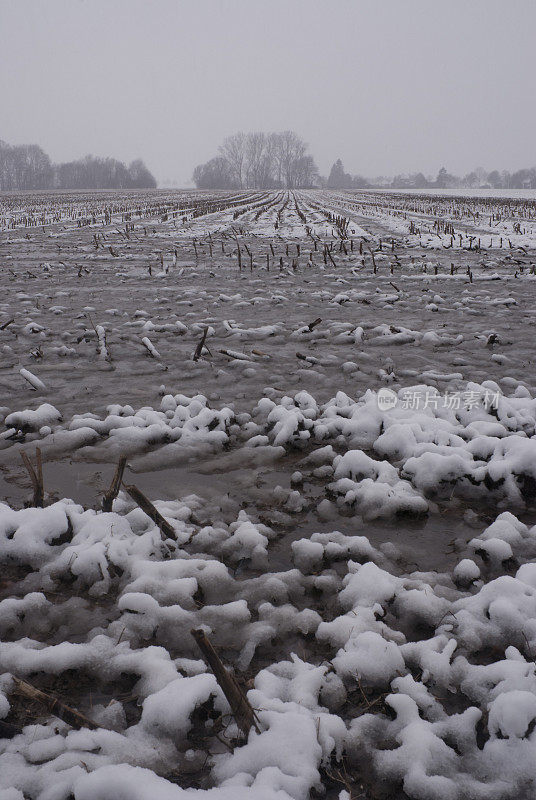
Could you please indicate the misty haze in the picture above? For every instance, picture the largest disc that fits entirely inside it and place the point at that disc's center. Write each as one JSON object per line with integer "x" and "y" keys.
{"x": 267, "y": 400}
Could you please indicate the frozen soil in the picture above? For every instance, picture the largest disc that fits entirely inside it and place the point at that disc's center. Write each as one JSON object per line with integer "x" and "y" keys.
{"x": 367, "y": 572}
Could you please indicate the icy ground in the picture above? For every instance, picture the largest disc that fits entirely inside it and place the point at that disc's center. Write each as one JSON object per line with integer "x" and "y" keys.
{"x": 367, "y": 572}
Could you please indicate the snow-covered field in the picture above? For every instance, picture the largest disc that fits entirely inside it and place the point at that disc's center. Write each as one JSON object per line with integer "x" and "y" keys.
{"x": 479, "y": 192}
{"x": 331, "y": 399}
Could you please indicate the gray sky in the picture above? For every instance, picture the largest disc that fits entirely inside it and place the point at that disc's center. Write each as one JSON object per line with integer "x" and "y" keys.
{"x": 387, "y": 85}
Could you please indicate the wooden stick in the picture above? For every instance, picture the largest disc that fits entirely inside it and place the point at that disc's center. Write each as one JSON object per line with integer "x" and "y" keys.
{"x": 328, "y": 252}
{"x": 236, "y": 355}
{"x": 113, "y": 491}
{"x": 240, "y": 706}
{"x": 39, "y": 465}
{"x": 36, "y": 478}
{"x": 314, "y": 323}
{"x": 372, "y": 256}
{"x": 201, "y": 344}
{"x": 148, "y": 508}
{"x": 69, "y": 715}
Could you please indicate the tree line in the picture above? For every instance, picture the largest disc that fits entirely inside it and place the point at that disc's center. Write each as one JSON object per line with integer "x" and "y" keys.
{"x": 259, "y": 161}
{"x": 27, "y": 166}
{"x": 281, "y": 161}
{"x": 478, "y": 178}
{"x": 339, "y": 179}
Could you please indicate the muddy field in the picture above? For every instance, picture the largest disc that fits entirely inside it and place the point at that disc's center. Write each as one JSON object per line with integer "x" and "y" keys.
{"x": 365, "y": 570}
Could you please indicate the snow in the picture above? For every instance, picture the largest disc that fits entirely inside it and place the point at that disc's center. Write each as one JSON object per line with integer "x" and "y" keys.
{"x": 367, "y": 573}
{"x": 43, "y": 416}
{"x": 375, "y": 642}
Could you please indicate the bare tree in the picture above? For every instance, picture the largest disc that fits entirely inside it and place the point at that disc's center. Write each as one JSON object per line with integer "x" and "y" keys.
{"x": 259, "y": 161}
{"x": 215, "y": 174}
{"x": 233, "y": 150}
{"x": 29, "y": 167}
{"x": 273, "y": 146}
{"x": 255, "y": 153}
{"x": 293, "y": 148}
{"x": 305, "y": 172}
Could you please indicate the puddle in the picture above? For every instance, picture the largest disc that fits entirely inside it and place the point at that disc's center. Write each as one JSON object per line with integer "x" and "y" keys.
{"x": 420, "y": 544}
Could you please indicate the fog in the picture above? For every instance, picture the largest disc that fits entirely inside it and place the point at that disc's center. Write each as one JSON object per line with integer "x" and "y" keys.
{"x": 387, "y": 86}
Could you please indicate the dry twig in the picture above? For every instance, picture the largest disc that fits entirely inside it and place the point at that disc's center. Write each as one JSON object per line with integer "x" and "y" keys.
{"x": 240, "y": 706}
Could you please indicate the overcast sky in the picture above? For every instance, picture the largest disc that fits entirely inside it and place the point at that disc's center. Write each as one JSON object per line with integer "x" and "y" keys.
{"x": 389, "y": 86}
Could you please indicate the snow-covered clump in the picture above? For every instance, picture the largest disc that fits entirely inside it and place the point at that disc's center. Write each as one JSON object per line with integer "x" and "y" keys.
{"x": 430, "y": 677}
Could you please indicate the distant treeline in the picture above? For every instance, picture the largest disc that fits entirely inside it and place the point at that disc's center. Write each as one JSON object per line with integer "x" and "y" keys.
{"x": 27, "y": 166}
{"x": 339, "y": 179}
{"x": 281, "y": 161}
{"x": 259, "y": 161}
{"x": 478, "y": 178}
